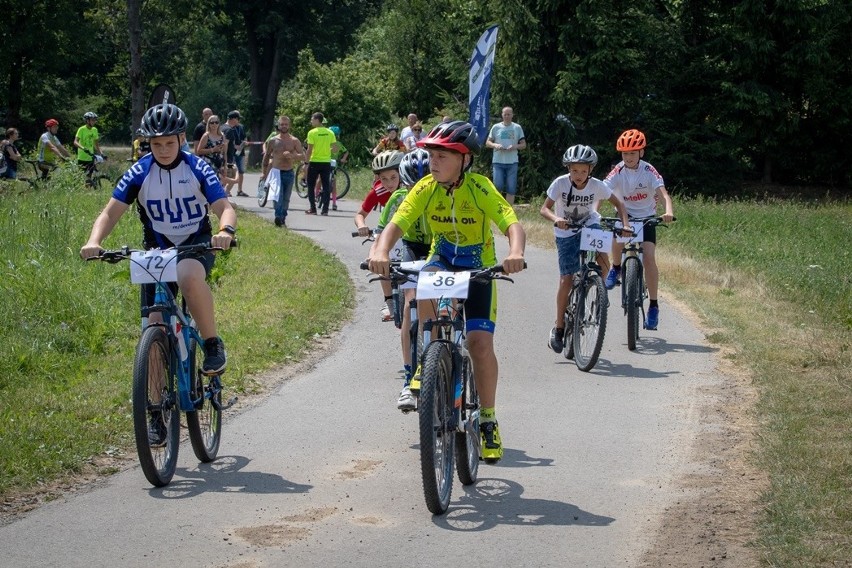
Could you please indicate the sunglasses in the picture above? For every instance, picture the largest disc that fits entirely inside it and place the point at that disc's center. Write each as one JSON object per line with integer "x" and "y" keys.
{"x": 417, "y": 129}
{"x": 213, "y": 122}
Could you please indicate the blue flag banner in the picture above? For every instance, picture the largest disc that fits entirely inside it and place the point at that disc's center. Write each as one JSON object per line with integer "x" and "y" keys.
{"x": 481, "y": 63}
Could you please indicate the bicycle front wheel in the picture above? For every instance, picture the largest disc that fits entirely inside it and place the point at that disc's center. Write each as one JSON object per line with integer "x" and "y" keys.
{"x": 468, "y": 444}
{"x": 342, "y": 177}
{"x": 262, "y": 193}
{"x": 205, "y": 422}
{"x": 590, "y": 321}
{"x": 437, "y": 439}
{"x": 568, "y": 340}
{"x": 156, "y": 416}
{"x": 633, "y": 301}
{"x": 301, "y": 182}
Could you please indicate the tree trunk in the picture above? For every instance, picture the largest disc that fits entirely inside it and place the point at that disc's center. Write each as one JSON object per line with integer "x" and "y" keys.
{"x": 137, "y": 96}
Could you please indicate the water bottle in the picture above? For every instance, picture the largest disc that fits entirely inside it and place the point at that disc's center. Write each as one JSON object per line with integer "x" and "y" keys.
{"x": 177, "y": 329}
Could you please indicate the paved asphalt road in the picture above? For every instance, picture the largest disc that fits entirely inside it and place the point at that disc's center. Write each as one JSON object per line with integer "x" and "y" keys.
{"x": 325, "y": 471}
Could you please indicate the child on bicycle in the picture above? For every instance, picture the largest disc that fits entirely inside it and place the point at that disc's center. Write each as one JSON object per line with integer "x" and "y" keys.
{"x": 386, "y": 168}
{"x": 173, "y": 191}
{"x": 416, "y": 243}
{"x": 574, "y": 197}
{"x": 640, "y": 186}
{"x": 459, "y": 207}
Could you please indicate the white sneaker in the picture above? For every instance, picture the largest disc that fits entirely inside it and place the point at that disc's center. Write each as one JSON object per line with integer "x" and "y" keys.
{"x": 387, "y": 310}
{"x": 406, "y": 401}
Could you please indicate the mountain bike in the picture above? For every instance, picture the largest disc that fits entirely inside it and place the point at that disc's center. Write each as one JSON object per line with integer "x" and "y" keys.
{"x": 395, "y": 256}
{"x": 167, "y": 375}
{"x": 448, "y": 402}
{"x": 584, "y": 320}
{"x": 339, "y": 181}
{"x": 94, "y": 178}
{"x": 633, "y": 289}
{"x": 262, "y": 192}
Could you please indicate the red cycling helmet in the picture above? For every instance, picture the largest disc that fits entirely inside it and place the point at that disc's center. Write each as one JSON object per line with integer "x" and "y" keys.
{"x": 457, "y": 135}
{"x": 630, "y": 140}
{"x": 51, "y": 122}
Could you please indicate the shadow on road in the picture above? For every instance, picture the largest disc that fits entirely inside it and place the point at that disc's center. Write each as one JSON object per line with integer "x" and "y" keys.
{"x": 607, "y": 368}
{"x": 492, "y": 502}
{"x": 658, "y": 346}
{"x": 225, "y": 475}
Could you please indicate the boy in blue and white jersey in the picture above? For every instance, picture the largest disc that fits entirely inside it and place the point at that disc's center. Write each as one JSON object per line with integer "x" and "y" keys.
{"x": 173, "y": 191}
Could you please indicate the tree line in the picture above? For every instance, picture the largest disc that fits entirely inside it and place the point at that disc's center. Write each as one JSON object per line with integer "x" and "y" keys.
{"x": 727, "y": 91}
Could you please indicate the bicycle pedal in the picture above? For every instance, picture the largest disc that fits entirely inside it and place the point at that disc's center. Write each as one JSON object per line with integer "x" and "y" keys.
{"x": 230, "y": 403}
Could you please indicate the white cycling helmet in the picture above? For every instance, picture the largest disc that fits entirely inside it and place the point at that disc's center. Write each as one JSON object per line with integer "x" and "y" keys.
{"x": 387, "y": 160}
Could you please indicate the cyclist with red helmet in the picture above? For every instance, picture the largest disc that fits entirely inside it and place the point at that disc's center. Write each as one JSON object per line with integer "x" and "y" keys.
{"x": 459, "y": 208}
{"x": 641, "y": 187}
{"x": 49, "y": 147}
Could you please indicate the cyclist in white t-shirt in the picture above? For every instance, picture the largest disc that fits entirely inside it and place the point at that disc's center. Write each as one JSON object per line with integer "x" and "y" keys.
{"x": 574, "y": 196}
{"x": 640, "y": 186}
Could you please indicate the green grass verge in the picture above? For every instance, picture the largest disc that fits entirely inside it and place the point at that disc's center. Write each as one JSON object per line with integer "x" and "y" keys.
{"x": 770, "y": 278}
{"x": 71, "y": 327}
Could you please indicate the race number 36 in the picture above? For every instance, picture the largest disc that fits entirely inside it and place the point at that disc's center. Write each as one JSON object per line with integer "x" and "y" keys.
{"x": 436, "y": 285}
{"x": 152, "y": 266}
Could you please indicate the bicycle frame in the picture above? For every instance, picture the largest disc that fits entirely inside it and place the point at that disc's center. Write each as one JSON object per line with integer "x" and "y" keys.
{"x": 180, "y": 331}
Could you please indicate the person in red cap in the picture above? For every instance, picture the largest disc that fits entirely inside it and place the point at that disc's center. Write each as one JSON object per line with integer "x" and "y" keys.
{"x": 49, "y": 147}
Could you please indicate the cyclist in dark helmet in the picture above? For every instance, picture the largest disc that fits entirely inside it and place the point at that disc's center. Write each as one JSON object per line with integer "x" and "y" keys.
{"x": 459, "y": 207}
{"x": 174, "y": 192}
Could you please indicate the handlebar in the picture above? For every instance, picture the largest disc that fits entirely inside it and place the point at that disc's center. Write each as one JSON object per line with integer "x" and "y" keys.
{"x": 653, "y": 220}
{"x": 197, "y": 249}
{"x": 578, "y": 226}
{"x": 398, "y": 273}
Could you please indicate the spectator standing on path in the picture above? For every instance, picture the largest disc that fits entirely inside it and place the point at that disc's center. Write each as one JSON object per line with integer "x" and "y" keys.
{"x": 236, "y": 135}
{"x": 10, "y": 154}
{"x": 212, "y": 147}
{"x": 412, "y": 133}
{"x": 49, "y": 147}
{"x": 506, "y": 138}
{"x": 86, "y": 140}
{"x": 321, "y": 145}
{"x": 280, "y": 154}
{"x": 201, "y": 127}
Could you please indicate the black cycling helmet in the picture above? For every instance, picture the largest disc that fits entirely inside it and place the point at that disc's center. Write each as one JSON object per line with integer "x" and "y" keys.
{"x": 457, "y": 135}
{"x": 580, "y": 154}
{"x": 414, "y": 165}
{"x": 163, "y": 120}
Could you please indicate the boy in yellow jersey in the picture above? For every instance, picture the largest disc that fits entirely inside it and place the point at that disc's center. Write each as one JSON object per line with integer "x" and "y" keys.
{"x": 459, "y": 207}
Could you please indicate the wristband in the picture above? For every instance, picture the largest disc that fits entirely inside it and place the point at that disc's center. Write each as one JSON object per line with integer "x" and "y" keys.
{"x": 228, "y": 229}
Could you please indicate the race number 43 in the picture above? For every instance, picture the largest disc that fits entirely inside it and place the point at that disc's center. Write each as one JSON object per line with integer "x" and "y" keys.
{"x": 595, "y": 239}
{"x": 152, "y": 266}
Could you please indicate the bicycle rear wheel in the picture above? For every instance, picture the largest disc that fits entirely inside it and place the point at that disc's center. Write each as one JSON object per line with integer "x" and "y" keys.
{"x": 468, "y": 445}
{"x": 301, "y": 182}
{"x": 342, "y": 177}
{"x": 633, "y": 301}
{"x": 156, "y": 416}
{"x": 590, "y": 321}
{"x": 205, "y": 422}
{"x": 262, "y": 193}
{"x": 437, "y": 439}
